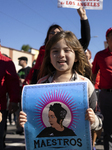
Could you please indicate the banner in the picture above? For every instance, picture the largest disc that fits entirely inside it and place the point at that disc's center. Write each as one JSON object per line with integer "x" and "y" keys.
{"x": 56, "y": 116}
{"x": 87, "y": 4}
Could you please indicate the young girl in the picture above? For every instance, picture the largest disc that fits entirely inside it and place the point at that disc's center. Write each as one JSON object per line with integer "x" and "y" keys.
{"x": 65, "y": 61}
{"x": 53, "y": 29}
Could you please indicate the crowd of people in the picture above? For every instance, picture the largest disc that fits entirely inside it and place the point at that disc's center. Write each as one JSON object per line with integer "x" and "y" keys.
{"x": 63, "y": 58}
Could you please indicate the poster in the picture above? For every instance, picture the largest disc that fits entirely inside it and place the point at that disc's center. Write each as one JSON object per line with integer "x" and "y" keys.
{"x": 87, "y": 4}
{"x": 56, "y": 116}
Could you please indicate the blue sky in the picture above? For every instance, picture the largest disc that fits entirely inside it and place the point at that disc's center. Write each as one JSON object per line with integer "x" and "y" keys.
{"x": 27, "y": 22}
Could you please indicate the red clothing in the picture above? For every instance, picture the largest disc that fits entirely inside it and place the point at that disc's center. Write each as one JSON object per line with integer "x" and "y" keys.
{"x": 29, "y": 76}
{"x": 9, "y": 82}
{"x": 97, "y": 81}
{"x": 40, "y": 58}
{"x": 103, "y": 62}
{"x": 37, "y": 65}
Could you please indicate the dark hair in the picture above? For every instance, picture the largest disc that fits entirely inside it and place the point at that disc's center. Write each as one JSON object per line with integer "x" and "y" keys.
{"x": 81, "y": 66}
{"x": 50, "y": 28}
{"x": 108, "y": 34}
{"x": 59, "y": 111}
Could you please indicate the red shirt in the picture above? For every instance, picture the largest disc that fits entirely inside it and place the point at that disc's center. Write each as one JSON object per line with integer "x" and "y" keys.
{"x": 97, "y": 81}
{"x": 9, "y": 82}
{"x": 103, "y": 62}
{"x": 37, "y": 65}
{"x": 40, "y": 58}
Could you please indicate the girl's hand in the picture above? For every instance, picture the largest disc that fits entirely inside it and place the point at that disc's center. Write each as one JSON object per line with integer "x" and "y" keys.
{"x": 82, "y": 13}
{"x": 27, "y": 83}
{"x": 90, "y": 115}
{"x": 22, "y": 118}
{"x": 0, "y": 116}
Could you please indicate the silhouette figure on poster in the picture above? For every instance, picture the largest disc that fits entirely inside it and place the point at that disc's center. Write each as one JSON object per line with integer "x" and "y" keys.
{"x": 56, "y": 116}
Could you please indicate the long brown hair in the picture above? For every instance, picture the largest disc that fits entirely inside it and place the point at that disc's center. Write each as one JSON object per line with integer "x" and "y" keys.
{"x": 81, "y": 66}
{"x": 50, "y": 28}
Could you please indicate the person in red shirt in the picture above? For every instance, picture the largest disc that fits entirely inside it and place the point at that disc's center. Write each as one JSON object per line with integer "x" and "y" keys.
{"x": 103, "y": 63}
{"x": 53, "y": 29}
{"x": 9, "y": 83}
{"x": 0, "y": 115}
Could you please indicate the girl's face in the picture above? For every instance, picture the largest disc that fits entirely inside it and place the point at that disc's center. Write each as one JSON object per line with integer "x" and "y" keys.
{"x": 62, "y": 57}
{"x": 53, "y": 32}
{"x": 88, "y": 54}
{"x": 52, "y": 119}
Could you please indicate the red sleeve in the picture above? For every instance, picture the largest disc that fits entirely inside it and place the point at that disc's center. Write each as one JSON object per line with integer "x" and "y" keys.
{"x": 40, "y": 58}
{"x": 29, "y": 77}
{"x": 95, "y": 67}
{"x": 97, "y": 80}
{"x": 36, "y": 66}
{"x": 12, "y": 82}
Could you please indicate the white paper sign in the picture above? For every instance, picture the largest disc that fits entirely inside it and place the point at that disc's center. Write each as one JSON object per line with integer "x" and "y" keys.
{"x": 87, "y": 4}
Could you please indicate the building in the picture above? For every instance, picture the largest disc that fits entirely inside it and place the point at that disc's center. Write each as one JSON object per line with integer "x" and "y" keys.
{"x": 15, "y": 54}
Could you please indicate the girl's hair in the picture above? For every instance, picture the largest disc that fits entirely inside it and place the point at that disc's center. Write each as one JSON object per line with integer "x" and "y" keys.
{"x": 59, "y": 111}
{"x": 81, "y": 66}
{"x": 50, "y": 28}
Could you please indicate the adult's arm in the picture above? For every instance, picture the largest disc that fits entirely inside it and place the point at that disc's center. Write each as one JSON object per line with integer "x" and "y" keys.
{"x": 85, "y": 28}
{"x": 94, "y": 77}
{"x": 0, "y": 116}
{"x": 40, "y": 58}
{"x": 95, "y": 67}
{"x": 12, "y": 84}
{"x": 28, "y": 77}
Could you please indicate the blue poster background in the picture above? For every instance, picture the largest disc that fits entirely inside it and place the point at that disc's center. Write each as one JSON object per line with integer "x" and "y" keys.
{"x": 36, "y": 100}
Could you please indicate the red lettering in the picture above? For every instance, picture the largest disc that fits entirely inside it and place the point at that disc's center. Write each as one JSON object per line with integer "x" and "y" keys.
{"x": 70, "y": 2}
{"x": 62, "y": 3}
{"x": 98, "y": 4}
{"x": 66, "y": 2}
{"x": 94, "y": 4}
{"x": 90, "y": 4}
{"x": 78, "y": 4}
{"x": 87, "y": 4}
{"x": 84, "y": 4}
{"x": 81, "y": 4}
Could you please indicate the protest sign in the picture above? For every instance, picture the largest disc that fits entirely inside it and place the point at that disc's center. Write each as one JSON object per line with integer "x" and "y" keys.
{"x": 87, "y": 4}
{"x": 56, "y": 116}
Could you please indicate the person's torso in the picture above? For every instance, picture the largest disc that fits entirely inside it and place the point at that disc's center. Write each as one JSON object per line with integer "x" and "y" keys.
{"x": 3, "y": 86}
{"x": 105, "y": 65}
{"x": 24, "y": 72}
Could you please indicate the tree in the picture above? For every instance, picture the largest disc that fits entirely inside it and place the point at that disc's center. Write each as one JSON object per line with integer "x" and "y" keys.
{"x": 26, "y": 48}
